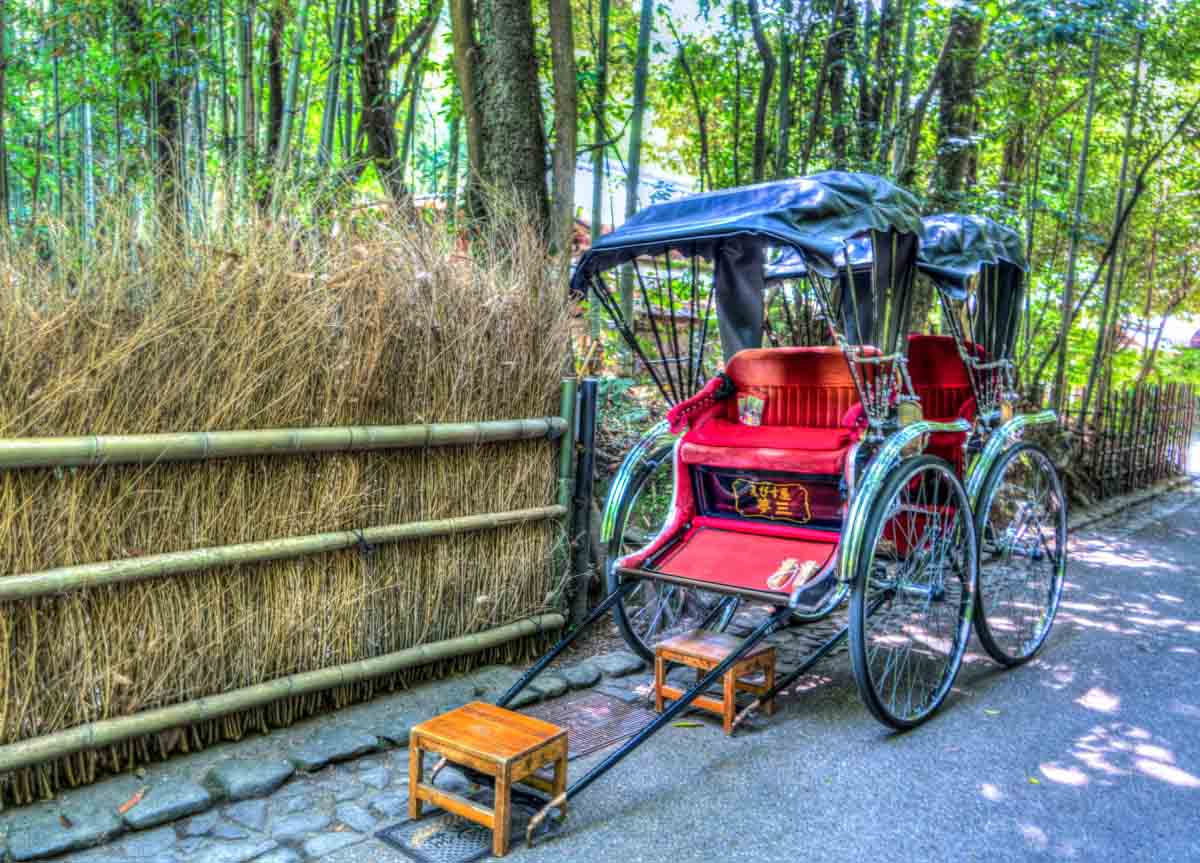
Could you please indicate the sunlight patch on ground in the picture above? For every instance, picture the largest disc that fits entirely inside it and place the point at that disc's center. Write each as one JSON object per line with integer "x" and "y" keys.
{"x": 1035, "y": 836}
{"x": 1167, "y": 773}
{"x": 1063, "y": 775}
{"x": 1099, "y": 700}
{"x": 991, "y": 792}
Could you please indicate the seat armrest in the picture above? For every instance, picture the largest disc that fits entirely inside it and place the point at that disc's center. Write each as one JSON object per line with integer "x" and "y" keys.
{"x": 682, "y": 415}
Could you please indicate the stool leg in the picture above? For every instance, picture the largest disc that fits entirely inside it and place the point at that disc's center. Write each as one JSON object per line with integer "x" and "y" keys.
{"x": 659, "y": 680}
{"x": 730, "y": 699}
{"x": 416, "y": 773}
{"x": 501, "y": 816}
{"x": 560, "y": 781}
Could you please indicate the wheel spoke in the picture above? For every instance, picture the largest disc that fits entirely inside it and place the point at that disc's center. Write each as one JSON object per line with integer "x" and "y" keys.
{"x": 907, "y": 653}
{"x": 1021, "y": 582}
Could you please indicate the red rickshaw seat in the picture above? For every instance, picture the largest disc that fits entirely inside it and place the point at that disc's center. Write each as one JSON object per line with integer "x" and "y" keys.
{"x": 940, "y": 380}
{"x": 808, "y": 422}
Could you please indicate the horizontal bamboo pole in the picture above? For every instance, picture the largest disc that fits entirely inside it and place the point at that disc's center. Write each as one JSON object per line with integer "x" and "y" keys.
{"x": 91, "y": 450}
{"x": 95, "y": 735}
{"x": 89, "y": 575}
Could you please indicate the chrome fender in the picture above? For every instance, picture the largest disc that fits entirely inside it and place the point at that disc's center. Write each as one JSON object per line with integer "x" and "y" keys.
{"x": 998, "y": 441}
{"x": 625, "y": 475}
{"x": 873, "y": 478}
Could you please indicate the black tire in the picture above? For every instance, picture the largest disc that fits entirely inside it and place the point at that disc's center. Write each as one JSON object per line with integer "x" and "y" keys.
{"x": 1021, "y": 516}
{"x": 654, "y": 610}
{"x": 903, "y": 566}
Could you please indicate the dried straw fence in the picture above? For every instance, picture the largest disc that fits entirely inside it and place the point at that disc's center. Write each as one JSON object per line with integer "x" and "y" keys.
{"x": 384, "y": 498}
{"x": 1137, "y": 437}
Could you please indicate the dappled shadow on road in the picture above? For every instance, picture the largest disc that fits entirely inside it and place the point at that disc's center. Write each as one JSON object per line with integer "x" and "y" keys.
{"x": 1120, "y": 661}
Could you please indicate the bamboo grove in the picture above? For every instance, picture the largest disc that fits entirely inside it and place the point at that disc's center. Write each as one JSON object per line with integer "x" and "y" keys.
{"x": 1075, "y": 121}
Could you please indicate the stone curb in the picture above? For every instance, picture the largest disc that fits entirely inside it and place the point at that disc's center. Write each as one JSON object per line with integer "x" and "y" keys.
{"x": 1114, "y": 505}
{"x": 192, "y": 809}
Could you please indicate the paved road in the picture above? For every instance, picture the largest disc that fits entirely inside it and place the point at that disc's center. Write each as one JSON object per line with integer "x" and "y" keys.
{"x": 1090, "y": 753}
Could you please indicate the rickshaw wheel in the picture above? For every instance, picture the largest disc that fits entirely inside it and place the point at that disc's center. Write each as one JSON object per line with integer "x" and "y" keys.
{"x": 912, "y": 593}
{"x": 1021, "y": 522}
{"x": 653, "y": 610}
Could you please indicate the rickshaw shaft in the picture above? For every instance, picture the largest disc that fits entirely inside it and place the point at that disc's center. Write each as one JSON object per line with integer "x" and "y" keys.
{"x": 772, "y": 623}
{"x": 540, "y": 666}
{"x": 813, "y": 658}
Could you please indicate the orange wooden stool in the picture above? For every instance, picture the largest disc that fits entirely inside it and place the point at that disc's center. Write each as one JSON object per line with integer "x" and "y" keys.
{"x": 497, "y": 742}
{"x": 704, "y": 651}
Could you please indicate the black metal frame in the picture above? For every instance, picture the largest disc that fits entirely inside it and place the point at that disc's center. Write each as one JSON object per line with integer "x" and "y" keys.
{"x": 778, "y": 619}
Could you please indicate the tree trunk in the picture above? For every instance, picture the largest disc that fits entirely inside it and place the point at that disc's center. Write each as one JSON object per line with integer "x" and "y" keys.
{"x": 737, "y": 93}
{"x": 816, "y": 122}
{"x": 956, "y": 108}
{"x": 377, "y": 58}
{"x": 1118, "y": 224}
{"x": 288, "y": 119}
{"x": 899, "y": 141}
{"x": 916, "y": 119}
{"x": 842, "y": 42}
{"x": 633, "y": 165}
{"x": 275, "y": 96}
{"x": 247, "y": 135}
{"x": 5, "y": 215}
{"x": 1068, "y": 295}
{"x": 883, "y": 93}
{"x": 452, "y": 160}
{"x": 566, "y": 130}
{"x": 600, "y": 136}
{"x": 784, "y": 102}
{"x": 59, "y": 168}
{"x": 496, "y": 64}
{"x": 329, "y": 113}
{"x": 758, "y": 165}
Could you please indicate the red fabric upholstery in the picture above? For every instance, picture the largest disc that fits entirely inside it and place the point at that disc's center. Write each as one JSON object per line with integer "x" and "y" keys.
{"x": 809, "y": 414}
{"x": 801, "y": 386}
{"x": 718, "y": 432}
{"x": 942, "y": 383}
{"x": 763, "y": 458}
{"x": 683, "y": 510}
{"x": 737, "y": 559}
{"x": 939, "y": 376}
{"x": 688, "y": 411}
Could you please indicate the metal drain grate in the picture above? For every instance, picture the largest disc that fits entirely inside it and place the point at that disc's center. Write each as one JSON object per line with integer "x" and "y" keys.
{"x": 593, "y": 720}
{"x": 442, "y": 837}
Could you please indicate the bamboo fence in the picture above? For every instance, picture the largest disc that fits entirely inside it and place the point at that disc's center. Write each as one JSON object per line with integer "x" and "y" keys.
{"x": 1138, "y": 436}
{"x": 368, "y": 509}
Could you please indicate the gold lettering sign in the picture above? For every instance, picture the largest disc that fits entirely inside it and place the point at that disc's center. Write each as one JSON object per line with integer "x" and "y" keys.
{"x": 776, "y": 501}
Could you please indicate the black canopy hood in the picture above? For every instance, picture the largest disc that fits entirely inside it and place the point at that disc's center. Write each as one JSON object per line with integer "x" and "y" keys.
{"x": 955, "y": 247}
{"x": 817, "y": 216}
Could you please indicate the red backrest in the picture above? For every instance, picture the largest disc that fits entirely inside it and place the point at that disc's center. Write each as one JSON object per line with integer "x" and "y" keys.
{"x": 801, "y": 386}
{"x": 938, "y": 376}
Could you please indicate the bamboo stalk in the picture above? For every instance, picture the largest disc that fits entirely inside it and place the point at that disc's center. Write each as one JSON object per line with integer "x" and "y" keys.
{"x": 89, "y": 575}
{"x": 92, "y": 450}
{"x": 95, "y": 735}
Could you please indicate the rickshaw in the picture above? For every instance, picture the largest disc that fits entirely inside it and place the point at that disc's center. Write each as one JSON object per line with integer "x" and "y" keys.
{"x": 869, "y": 466}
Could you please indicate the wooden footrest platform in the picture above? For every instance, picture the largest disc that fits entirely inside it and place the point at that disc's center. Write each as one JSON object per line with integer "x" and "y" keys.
{"x": 704, "y": 651}
{"x": 508, "y": 746}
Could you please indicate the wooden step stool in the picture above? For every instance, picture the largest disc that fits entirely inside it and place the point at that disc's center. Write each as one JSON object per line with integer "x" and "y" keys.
{"x": 497, "y": 742}
{"x": 704, "y": 651}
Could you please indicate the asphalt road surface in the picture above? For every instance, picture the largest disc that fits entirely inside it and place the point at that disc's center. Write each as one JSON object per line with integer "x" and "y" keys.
{"x": 1091, "y": 752}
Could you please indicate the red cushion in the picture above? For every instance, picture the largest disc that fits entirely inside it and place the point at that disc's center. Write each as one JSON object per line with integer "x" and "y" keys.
{"x": 764, "y": 458}
{"x": 723, "y": 432}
